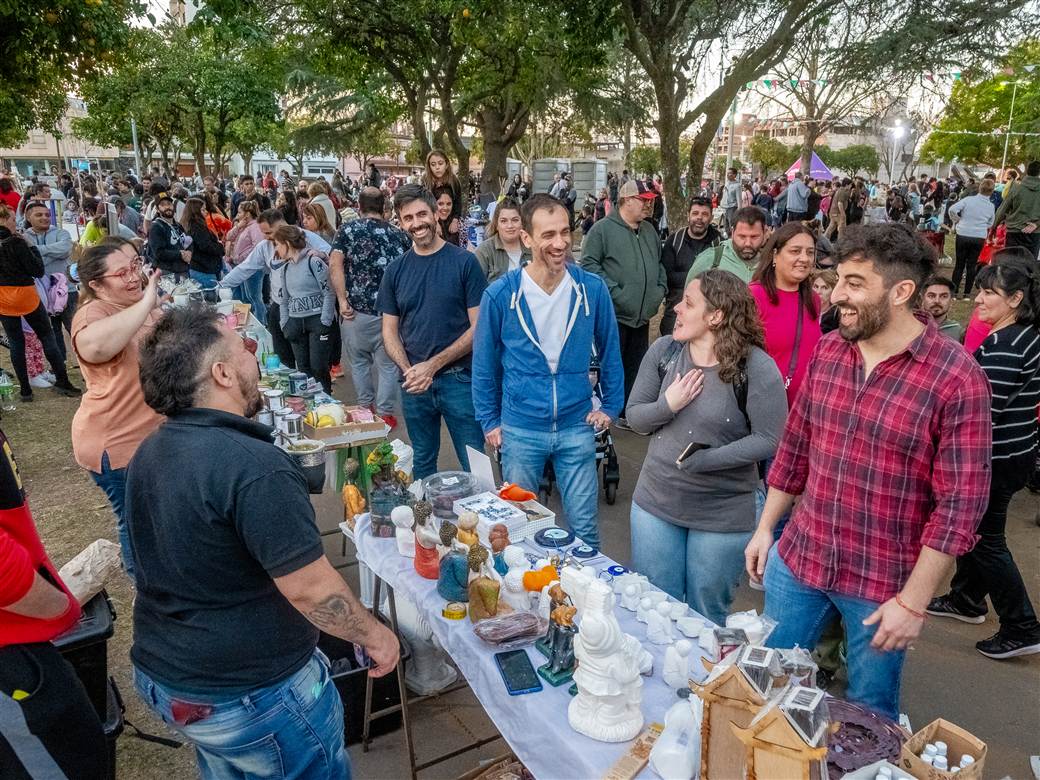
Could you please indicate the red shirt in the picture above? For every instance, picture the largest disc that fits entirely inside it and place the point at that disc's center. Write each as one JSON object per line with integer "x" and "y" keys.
{"x": 884, "y": 465}
{"x": 780, "y": 323}
{"x": 21, "y": 557}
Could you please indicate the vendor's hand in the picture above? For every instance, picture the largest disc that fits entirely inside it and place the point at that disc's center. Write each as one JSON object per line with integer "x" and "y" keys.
{"x": 494, "y": 437}
{"x": 757, "y": 552}
{"x": 418, "y": 378}
{"x": 346, "y": 311}
{"x": 151, "y": 288}
{"x": 684, "y": 389}
{"x": 186, "y": 255}
{"x": 598, "y": 420}
{"x": 384, "y": 650}
{"x": 897, "y": 628}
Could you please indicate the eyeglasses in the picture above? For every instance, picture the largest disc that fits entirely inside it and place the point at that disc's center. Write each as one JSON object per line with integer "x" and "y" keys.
{"x": 128, "y": 273}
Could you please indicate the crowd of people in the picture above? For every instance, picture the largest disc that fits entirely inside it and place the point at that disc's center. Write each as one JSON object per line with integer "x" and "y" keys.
{"x": 816, "y": 418}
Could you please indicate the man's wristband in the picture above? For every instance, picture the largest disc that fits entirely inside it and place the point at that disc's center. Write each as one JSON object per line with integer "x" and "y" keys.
{"x": 911, "y": 610}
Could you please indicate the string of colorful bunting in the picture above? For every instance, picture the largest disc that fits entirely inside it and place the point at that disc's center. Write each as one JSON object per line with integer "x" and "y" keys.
{"x": 774, "y": 82}
{"x": 979, "y": 132}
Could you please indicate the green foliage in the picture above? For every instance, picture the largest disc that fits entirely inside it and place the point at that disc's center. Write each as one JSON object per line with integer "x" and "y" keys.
{"x": 720, "y": 166}
{"x": 644, "y": 159}
{"x": 857, "y": 158}
{"x": 983, "y": 106}
{"x": 48, "y": 47}
{"x": 770, "y": 154}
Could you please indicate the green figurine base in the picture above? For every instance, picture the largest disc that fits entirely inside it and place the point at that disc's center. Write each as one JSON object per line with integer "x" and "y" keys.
{"x": 558, "y": 679}
{"x": 573, "y": 690}
{"x": 544, "y": 646}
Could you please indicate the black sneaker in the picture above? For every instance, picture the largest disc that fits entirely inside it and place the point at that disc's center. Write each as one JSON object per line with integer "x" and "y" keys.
{"x": 68, "y": 390}
{"x": 1000, "y": 646}
{"x": 943, "y": 606}
{"x": 25, "y": 398}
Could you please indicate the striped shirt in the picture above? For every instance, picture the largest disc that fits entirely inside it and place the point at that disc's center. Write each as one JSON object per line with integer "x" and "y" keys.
{"x": 1010, "y": 358}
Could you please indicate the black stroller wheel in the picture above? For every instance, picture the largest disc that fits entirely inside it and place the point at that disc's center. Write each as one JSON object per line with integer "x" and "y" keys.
{"x": 611, "y": 491}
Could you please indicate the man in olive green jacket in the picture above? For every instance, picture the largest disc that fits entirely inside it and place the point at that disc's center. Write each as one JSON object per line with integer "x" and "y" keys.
{"x": 1021, "y": 211}
{"x": 625, "y": 250}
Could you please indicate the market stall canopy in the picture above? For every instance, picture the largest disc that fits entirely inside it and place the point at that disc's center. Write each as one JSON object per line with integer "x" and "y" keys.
{"x": 816, "y": 168}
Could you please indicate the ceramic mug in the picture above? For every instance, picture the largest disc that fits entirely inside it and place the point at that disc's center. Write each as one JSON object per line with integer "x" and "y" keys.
{"x": 180, "y": 299}
{"x": 225, "y": 293}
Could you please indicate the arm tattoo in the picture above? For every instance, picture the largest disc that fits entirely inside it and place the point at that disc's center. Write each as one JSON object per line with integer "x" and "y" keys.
{"x": 336, "y": 615}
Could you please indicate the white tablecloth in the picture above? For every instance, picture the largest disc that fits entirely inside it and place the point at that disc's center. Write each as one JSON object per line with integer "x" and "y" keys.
{"x": 535, "y": 725}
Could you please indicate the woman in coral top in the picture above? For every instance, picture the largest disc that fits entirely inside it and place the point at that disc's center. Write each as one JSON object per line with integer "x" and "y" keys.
{"x": 118, "y": 308}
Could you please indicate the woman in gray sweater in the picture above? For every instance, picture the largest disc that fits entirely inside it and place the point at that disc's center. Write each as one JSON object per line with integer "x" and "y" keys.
{"x": 714, "y": 405}
{"x": 307, "y": 312}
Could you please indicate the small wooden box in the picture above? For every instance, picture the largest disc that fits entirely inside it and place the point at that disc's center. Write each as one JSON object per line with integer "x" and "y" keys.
{"x": 335, "y": 431}
{"x": 958, "y": 742}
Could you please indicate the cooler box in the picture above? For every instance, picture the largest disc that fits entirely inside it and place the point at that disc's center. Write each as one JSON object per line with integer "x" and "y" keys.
{"x": 113, "y": 724}
{"x": 85, "y": 646}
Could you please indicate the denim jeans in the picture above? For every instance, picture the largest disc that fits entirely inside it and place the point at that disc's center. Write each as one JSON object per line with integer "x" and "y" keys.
{"x": 802, "y": 614}
{"x": 363, "y": 350}
{"x": 251, "y": 292}
{"x": 699, "y": 567}
{"x": 573, "y": 455}
{"x": 760, "y": 504}
{"x": 64, "y": 318}
{"x": 113, "y": 483}
{"x": 451, "y": 397}
{"x": 208, "y": 282}
{"x": 293, "y": 728}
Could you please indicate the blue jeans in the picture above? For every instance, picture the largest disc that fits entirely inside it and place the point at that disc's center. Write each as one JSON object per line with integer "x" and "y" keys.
{"x": 293, "y": 728}
{"x": 451, "y": 397}
{"x": 803, "y": 612}
{"x": 760, "y": 504}
{"x": 699, "y": 567}
{"x": 251, "y": 292}
{"x": 208, "y": 282}
{"x": 113, "y": 483}
{"x": 573, "y": 454}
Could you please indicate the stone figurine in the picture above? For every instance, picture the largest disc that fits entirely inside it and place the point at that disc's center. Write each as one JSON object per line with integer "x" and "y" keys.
{"x": 676, "y": 670}
{"x": 427, "y": 556}
{"x": 513, "y": 592}
{"x": 659, "y": 624}
{"x": 403, "y": 519}
{"x": 453, "y": 575}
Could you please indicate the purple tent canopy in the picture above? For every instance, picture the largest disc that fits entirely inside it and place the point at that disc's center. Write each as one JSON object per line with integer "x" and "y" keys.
{"x": 817, "y": 169}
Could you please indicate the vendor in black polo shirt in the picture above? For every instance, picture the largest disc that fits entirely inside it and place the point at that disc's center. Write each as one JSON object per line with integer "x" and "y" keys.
{"x": 232, "y": 582}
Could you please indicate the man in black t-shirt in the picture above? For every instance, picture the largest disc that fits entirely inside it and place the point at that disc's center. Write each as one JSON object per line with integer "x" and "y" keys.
{"x": 232, "y": 582}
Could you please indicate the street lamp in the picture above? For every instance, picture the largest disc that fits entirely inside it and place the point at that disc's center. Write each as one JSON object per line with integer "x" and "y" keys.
{"x": 898, "y": 131}
{"x": 1011, "y": 115}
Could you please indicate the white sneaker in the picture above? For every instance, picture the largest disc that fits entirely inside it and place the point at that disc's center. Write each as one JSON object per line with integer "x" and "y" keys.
{"x": 40, "y": 382}
{"x": 49, "y": 376}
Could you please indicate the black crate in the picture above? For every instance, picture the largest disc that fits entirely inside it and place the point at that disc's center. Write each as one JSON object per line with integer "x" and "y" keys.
{"x": 113, "y": 723}
{"x": 85, "y": 646}
{"x": 351, "y": 687}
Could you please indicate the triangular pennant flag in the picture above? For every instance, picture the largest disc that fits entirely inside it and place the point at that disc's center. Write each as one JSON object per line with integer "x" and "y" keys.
{"x": 1029, "y": 68}
{"x": 749, "y": 85}
{"x": 930, "y": 77}
{"x": 956, "y": 76}
{"x": 768, "y": 83}
{"x": 823, "y": 82}
{"x": 794, "y": 82}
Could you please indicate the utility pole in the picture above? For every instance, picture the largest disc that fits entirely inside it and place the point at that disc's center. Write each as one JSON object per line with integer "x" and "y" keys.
{"x": 732, "y": 132}
{"x": 137, "y": 151}
{"x": 1011, "y": 115}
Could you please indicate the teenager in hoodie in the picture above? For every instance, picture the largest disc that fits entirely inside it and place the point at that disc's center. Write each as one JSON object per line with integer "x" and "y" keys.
{"x": 538, "y": 327}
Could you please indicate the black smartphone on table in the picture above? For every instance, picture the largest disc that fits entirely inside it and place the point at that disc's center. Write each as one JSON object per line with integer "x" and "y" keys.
{"x": 517, "y": 672}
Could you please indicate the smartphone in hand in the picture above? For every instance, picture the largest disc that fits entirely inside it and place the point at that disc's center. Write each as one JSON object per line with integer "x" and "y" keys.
{"x": 691, "y": 448}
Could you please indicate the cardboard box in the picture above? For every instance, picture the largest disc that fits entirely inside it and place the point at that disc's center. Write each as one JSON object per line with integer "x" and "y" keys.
{"x": 523, "y": 518}
{"x": 335, "y": 431}
{"x": 958, "y": 742}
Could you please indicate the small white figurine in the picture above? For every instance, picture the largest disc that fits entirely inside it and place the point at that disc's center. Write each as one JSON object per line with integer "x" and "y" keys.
{"x": 676, "y": 671}
{"x": 513, "y": 592}
{"x": 404, "y": 521}
{"x": 646, "y": 605}
{"x": 676, "y": 753}
{"x": 630, "y": 597}
{"x": 575, "y": 582}
{"x": 607, "y": 706}
{"x": 635, "y": 649}
{"x": 659, "y": 625}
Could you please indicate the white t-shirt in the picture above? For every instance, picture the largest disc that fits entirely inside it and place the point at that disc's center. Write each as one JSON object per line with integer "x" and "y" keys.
{"x": 549, "y": 314}
{"x": 514, "y": 258}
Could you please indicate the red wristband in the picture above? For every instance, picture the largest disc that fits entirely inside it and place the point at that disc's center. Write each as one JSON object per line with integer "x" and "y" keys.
{"x": 912, "y": 611}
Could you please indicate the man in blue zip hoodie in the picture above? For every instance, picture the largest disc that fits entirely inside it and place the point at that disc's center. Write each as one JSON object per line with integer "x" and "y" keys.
{"x": 537, "y": 329}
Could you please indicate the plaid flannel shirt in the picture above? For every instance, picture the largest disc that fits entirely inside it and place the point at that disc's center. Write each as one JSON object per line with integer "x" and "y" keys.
{"x": 885, "y": 464}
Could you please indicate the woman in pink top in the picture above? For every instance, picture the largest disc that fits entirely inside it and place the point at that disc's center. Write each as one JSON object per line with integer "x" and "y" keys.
{"x": 782, "y": 289}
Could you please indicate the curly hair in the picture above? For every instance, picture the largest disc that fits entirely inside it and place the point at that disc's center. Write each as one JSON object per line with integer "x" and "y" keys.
{"x": 173, "y": 355}
{"x": 741, "y": 326}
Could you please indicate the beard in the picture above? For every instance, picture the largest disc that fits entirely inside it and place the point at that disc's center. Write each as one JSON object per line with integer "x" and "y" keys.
{"x": 938, "y": 311}
{"x": 871, "y": 318}
{"x": 251, "y": 393}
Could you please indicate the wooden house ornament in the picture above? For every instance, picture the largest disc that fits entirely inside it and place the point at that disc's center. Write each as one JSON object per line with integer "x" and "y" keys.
{"x": 787, "y": 740}
{"x": 734, "y": 692}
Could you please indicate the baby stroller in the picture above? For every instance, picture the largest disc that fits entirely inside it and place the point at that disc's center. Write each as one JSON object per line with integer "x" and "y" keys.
{"x": 606, "y": 455}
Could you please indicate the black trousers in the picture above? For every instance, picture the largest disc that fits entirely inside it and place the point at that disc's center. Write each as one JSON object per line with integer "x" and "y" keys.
{"x": 57, "y": 713}
{"x": 989, "y": 568}
{"x": 310, "y": 342}
{"x": 65, "y": 319}
{"x": 634, "y": 344}
{"x": 40, "y": 322}
{"x": 1030, "y": 241}
{"x": 281, "y": 344}
{"x": 967, "y": 251}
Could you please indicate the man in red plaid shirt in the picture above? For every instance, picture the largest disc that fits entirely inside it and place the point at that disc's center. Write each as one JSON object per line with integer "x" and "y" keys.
{"x": 888, "y": 446}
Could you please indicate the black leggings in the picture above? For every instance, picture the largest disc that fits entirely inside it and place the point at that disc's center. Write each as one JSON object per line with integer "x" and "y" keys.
{"x": 967, "y": 250}
{"x": 40, "y": 322}
{"x": 310, "y": 342}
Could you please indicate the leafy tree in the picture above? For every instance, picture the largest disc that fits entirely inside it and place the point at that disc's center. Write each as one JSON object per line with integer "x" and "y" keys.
{"x": 983, "y": 105}
{"x": 854, "y": 159}
{"x": 720, "y": 166}
{"x": 50, "y": 46}
{"x": 644, "y": 160}
{"x": 770, "y": 154}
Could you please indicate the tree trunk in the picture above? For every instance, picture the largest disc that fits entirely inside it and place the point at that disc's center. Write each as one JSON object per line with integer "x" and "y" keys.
{"x": 501, "y": 130}
{"x": 627, "y": 143}
{"x": 199, "y": 149}
{"x": 812, "y": 132}
{"x": 668, "y": 132}
{"x": 247, "y": 160}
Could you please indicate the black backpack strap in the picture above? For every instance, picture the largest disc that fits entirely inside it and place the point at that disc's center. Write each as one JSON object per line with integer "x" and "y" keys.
{"x": 670, "y": 354}
{"x": 740, "y": 390}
